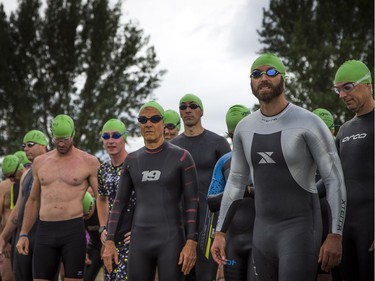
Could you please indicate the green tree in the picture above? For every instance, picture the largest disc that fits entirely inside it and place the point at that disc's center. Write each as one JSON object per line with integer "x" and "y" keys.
{"x": 313, "y": 38}
{"x": 77, "y": 59}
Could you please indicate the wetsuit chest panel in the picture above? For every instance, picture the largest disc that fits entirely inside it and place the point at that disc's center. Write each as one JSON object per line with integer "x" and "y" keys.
{"x": 272, "y": 178}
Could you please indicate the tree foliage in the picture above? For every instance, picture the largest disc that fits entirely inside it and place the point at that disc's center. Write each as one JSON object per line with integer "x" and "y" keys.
{"x": 313, "y": 38}
{"x": 77, "y": 59}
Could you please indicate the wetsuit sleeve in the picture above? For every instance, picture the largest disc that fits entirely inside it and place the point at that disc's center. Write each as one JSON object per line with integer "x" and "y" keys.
{"x": 190, "y": 193}
{"x": 237, "y": 181}
{"x": 325, "y": 154}
{"x": 123, "y": 195}
{"x": 216, "y": 189}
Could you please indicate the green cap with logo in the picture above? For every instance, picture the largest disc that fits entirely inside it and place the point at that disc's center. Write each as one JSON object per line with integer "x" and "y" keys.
{"x": 192, "y": 98}
{"x": 353, "y": 71}
{"x": 36, "y": 136}
{"x": 326, "y": 116}
{"x": 234, "y": 115}
{"x": 172, "y": 117}
{"x": 62, "y": 126}
{"x": 271, "y": 60}
{"x": 115, "y": 125}
{"x": 11, "y": 164}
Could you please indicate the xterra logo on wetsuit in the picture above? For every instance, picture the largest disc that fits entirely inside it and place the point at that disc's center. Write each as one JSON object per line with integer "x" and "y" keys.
{"x": 354, "y": 137}
{"x": 266, "y": 158}
{"x": 151, "y": 175}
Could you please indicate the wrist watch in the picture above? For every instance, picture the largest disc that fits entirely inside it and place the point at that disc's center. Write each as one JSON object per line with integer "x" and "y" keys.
{"x": 101, "y": 229}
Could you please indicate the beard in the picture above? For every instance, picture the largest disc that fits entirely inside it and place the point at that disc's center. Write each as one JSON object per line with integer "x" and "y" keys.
{"x": 267, "y": 95}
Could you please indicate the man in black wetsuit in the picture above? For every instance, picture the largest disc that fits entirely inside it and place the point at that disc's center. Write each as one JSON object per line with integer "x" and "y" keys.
{"x": 164, "y": 228}
{"x": 355, "y": 143}
{"x": 206, "y": 148}
{"x": 34, "y": 144}
{"x": 281, "y": 145}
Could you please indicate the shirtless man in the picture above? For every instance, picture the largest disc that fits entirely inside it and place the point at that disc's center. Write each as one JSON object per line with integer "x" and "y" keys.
{"x": 12, "y": 169}
{"x": 61, "y": 178}
{"x": 34, "y": 144}
{"x": 281, "y": 145}
{"x": 164, "y": 228}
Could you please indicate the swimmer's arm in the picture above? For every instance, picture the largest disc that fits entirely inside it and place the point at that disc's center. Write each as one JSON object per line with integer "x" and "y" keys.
{"x": 102, "y": 206}
{"x": 93, "y": 177}
{"x": 33, "y": 204}
{"x": 12, "y": 221}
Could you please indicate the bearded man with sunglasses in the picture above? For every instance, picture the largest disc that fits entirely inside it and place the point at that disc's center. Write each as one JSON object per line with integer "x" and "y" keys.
{"x": 114, "y": 139}
{"x": 61, "y": 178}
{"x": 281, "y": 145}
{"x": 164, "y": 229}
{"x": 206, "y": 148}
{"x": 12, "y": 169}
{"x": 355, "y": 144}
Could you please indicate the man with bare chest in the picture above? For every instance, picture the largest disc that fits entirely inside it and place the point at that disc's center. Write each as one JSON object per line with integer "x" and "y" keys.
{"x": 61, "y": 178}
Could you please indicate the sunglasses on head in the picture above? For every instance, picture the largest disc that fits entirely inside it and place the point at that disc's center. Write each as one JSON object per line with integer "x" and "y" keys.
{"x": 154, "y": 119}
{"x": 28, "y": 144}
{"x": 269, "y": 72}
{"x": 115, "y": 135}
{"x": 192, "y": 106}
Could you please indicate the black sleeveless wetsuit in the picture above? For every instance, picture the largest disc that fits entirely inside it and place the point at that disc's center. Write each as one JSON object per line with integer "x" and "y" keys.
{"x": 282, "y": 154}
{"x": 355, "y": 143}
{"x": 162, "y": 179}
{"x": 206, "y": 149}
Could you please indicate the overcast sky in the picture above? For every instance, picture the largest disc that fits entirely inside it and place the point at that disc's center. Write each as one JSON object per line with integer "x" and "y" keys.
{"x": 206, "y": 46}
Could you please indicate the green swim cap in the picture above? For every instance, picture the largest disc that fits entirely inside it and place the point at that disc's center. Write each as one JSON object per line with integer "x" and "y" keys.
{"x": 192, "y": 98}
{"x": 22, "y": 157}
{"x": 234, "y": 115}
{"x": 36, "y": 136}
{"x": 87, "y": 203}
{"x": 62, "y": 126}
{"x": 353, "y": 71}
{"x": 10, "y": 164}
{"x": 115, "y": 125}
{"x": 271, "y": 60}
{"x": 153, "y": 104}
{"x": 326, "y": 116}
{"x": 172, "y": 117}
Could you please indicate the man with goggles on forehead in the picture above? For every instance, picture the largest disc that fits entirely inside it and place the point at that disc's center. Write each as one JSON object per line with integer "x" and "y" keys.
{"x": 172, "y": 124}
{"x": 61, "y": 178}
{"x": 281, "y": 145}
{"x": 164, "y": 227}
{"x": 355, "y": 144}
{"x": 206, "y": 148}
{"x": 113, "y": 135}
{"x": 12, "y": 170}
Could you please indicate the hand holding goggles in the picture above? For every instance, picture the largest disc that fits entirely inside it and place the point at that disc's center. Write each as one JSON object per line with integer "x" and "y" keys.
{"x": 115, "y": 135}
{"x": 154, "y": 119}
{"x": 269, "y": 72}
